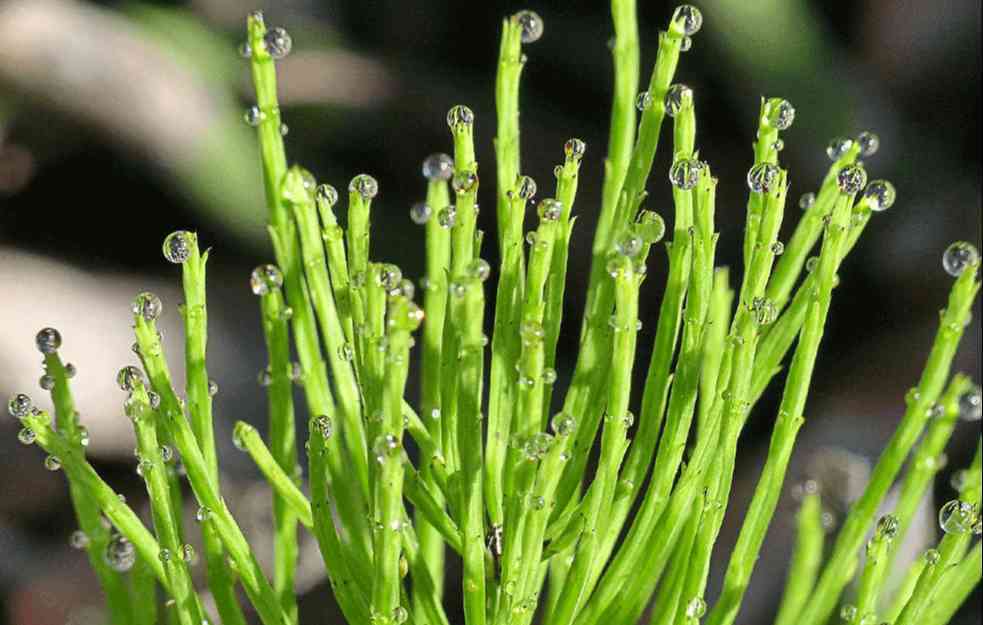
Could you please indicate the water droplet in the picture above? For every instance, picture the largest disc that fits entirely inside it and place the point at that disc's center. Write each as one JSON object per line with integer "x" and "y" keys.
{"x": 20, "y": 405}
{"x": 277, "y": 42}
{"x": 869, "y": 143}
{"x": 70, "y": 370}
{"x": 685, "y": 43}
{"x": 549, "y": 376}
{"x": 778, "y": 145}
{"x": 684, "y": 174}
{"x": 563, "y": 424}
{"x": 525, "y": 187}
{"x": 203, "y": 514}
{"x": 779, "y": 113}
{"x": 46, "y": 382}
{"x": 537, "y": 446}
{"x": 438, "y": 166}
{"x": 688, "y": 19}
{"x": 531, "y": 26}
{"x": 971, "y": 404}
{"x": 212, "y": 388}
{"x": 812, "y": 263}
{"x": 531, "y": 332}
{"x": 650, "y": 226}
{"x": 400, "y": 615}
{"x": 420, "y": 213}
{"x": 880, "y": 195}
{"x": 887, "y": 527}
{"x": 479, "y": 269}
{"x": 188, "y": 554}
{"x": 128, "y": 377}
{"x": 166, "y": 453}
{"x": 696, "y": 608}
{"x": 147, "y": 305}
{"x": 549, "y": 209}
{"x": 763, "y": 177}
{"x": 52, "y": 463}
{"x": 154, "y": 399}
{"x": 324, "y": 426}
{"x": 851, "y": 179}
{"x": 644, "y": 101}
{"x": 239, "y": 434}
{"x": 958, "y": 517}
{"x": 385, "y": 446}
{"x": 48, "y": 340}
{"x": 164, "y": 555}
{"x": 932, "y": 557}
{"x": 253, "y": 116}
{"x": 628, "y": 245}
{"x": 27, "y": 436}
{"x": 848, "y": 612}
{"x": 245, "y": 50}
{"x": 958, "y": 257}
{"x": 763, "y": 311}
{"x": 178, "y": 245}
{"x": 838, "y": 147}
{"x": 326, "y": 195}
{"x": 538, "y": 502}
{"x": 365, "y": 186}
{"x": 777, "y": 248}
{"x": 447, "y": 217}
{"x": 575, "y": 149}
{"x": 265, "y": 279}
{"x": 78, "y": 540}
{"x": 460, "y": 115}
{"x": 464, "y": 182}
{"x": 628, "y": 419}
{"x": 676, "y": 97}
{"x": 807, "y": 200}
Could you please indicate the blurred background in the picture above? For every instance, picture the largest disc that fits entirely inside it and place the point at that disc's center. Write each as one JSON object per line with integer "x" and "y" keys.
{"x": 122, "y": 121}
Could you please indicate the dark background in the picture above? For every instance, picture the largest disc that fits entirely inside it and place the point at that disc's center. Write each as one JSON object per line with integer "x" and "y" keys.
{"x": 121, "y": 121}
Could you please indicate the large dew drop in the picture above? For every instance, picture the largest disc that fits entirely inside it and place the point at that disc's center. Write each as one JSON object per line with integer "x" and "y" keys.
{"x": 958, "y": 257}
{"x": 684, "y": 174}
{"x": 460, "y": 115}
{"x": 277, "y": 42}
{"x": 128, "y": 377}
{"x": 177, "y": 246}
{"x": 677, "y": 95}
{"x": 851, "y": 179}
{"x": 48, "y": 340}
{"x": 365, "y": 186}
{"x": 20, "y": 405}
{"x": 880, "y": 195}
{"x": 148, "y": 306}
{"x": 438, "y": 166}
{"x": 265, "y": 278}
{"x": 763, "y": 177}
{"x": 531, "y": 25}
{"x": 120, "y": 554}
{"x": 780, "y": 113}
{"x": 688, "y": 19}
{"x": 958, "y": 517}
{"x": 971, "y": 404}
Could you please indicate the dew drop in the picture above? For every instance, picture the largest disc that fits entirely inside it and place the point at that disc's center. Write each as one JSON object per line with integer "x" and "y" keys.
{"x": 851, "y": 179}
{"x": 52, "y": 463}
{"x": 464, "y": 182}
{"x": 971, "y": 404}
{"x": 48, "y": 340}
{"x": 958, "y": 257}
{"x": 420, "y": 213}
{"x": 880, "y": 195}
{"x": 685, "y": 43}
{"x": 265, "y": 279}
{"x": 780, "y": 113}
{"x": 479, "y": 269}
{"x": 696, "y": 608}
{"x": 20, "y": 405}
{"x": 868, "y": 143}
{"x": 688, "y": 19}
{"x": 324, "y": 426}
{"x": 838, "y": 147}
{"x": 203, "y": 514}
{"x": 958, "y": 517}
{"x": 777, "y": 248}
{"x": 644, "y": 101}
{"x": 684, "y": 174}
{"x": 128, "y": 377}
{"x": 563, "y": 424}
{"x": 277, "y": 42}
{"x": 70, "y": 370}
{"x": 188, "y": 554}
{"x": 460, "y": 115}
{"x": 650, "y": 226}
{"x": 212, "y": 388}
{"x": 253, "y": 116}
{"x": 763, "y": 177}
{"x": 438, "y": 166}
{"x": 364, "y": 185}
{"x": 400, "y": 615}
{"x": 575, "y": 149}
{"x": 178, "y": 245}
{"x": 147, "y": 305}
{"x": 525, "y": 188}
{"x": 27, "y": 436}
{"x": 245, "y": 50}
{"x": 887, "y": 527}
{"x": 932, "y": 557}
{"x": 549, "y": 209}
{"x": 326, "y": 195}
{"x": 46, "y": 382}
{"x": 628, "y": 245}
{"x": 848, "y": 612}
{"x": 447, "y": 217}
{"x": 78, "y": 540}
{"x": 676, "y": 97}
{"x": 807, "y": 200}
{"x": 531, "y": 26}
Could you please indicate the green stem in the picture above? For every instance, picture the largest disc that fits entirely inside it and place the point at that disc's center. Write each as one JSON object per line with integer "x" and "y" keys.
{"x": 955, "y": 588}
{"x": 807, "y": 558}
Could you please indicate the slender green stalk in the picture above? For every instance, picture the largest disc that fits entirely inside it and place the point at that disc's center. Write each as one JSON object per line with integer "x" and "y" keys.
{"x": 862, "y": 512}
{"x": 333, "y": 235}
{"x": 672, "y": 598}
{"x": 903, "y": 593}
{"x": 173, "y": 555}
{"x": 282, "y": 441}
{"x": 951, "y": 549}
{"x": 174, "y": 421}
{"x": 790, "y": 420}
{"x": 86, "y": 511}
{"x": 876, "y": 566}
{"x": 507, "y": 150}
{"x": 199, "y": 405}
{"x": 955, "y": 588}
{"x": 90, "y": 485}
{"x": 807, "y": 559}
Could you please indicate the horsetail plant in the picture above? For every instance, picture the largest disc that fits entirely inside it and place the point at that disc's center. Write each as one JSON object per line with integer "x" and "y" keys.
{"x": 509, "y": 495}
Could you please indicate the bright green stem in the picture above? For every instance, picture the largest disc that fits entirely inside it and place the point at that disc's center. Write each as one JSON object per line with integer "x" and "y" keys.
{"x": 91, "y": 486}
{"x": 672, "y": 599}
{"x": 790, "y": 420}
{"x": 300, "y": 198}
{"x": 86, "y": 511}
{"x": 507, "y": 152}
{"x": 175, "y": 423}
{"x": 862, "y": 513}
{"x": 807, "y": 558}
{"x": 283, "y": 442}
{"x": 186, "y": 606}
{"x": 955, "y": 588}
